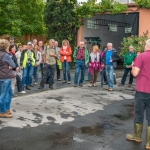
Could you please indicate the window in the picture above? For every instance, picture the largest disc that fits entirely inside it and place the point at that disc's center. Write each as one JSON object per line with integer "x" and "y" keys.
{"x": 91, "y": 24}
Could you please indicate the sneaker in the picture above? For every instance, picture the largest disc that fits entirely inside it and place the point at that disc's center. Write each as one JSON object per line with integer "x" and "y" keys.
{"x": 9, "y": 112}
{"x": 5, "y": 115}
{"x": 87, "y": 80}
{"x": 22, "y": 92}
{"x": 58, "y": 79}
{"x": 75, "y": 85}
{"x": 27, "y": 87}
{"x": 95, "y": 85}
{"x": 35, "y": 83}
{"x": 69, "y": 82}
{"x": 90, "y": 85}
{"x": 110, "y": 89}
{"x": 64, "y": 81}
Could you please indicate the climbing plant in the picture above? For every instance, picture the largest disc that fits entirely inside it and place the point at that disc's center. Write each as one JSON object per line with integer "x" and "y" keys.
{"x": 143, "y": 3}
{"x": 90, "y": 8}
{"x": 137, "y": 42}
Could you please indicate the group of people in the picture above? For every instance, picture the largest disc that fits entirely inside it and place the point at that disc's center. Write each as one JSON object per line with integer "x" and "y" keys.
{"x": 25, "y": 61}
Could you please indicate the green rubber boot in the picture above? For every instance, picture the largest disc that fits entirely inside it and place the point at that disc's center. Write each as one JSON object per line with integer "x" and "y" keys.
{"x": 147, "y": 137}
{"x": 137, "y": 133}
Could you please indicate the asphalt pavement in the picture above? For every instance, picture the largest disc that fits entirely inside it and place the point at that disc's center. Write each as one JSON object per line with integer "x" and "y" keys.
{"x": 69, "y": 118}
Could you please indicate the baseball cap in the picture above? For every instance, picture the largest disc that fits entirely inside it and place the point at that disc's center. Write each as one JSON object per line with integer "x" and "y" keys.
{"x": 11, "y": 38}
{"x": 29, "y": 43}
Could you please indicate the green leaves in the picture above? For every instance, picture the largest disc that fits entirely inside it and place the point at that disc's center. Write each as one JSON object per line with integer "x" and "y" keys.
{"x": 19, "y": 17}
{"x": 143, "y": 3}
{"x": 137, "y": 42}
{"x": 61, "y": 20}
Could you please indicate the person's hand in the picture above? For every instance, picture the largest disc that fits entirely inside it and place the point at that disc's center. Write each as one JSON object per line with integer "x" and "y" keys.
{"x": 10, "y": 67}
{"x": 103, "y": 65}
{"x": 86, "y": 63}
{"x": 52, "y": 55}
{"x": 132, "y": 63}
{"x": 111, "y": 60}
{"x": 35, "y": 65}
{"x": 89, "y": 64}
{"x": 17, "y": 69}
{"x": 21, "y": 67}
{"x": 127, "y": 66}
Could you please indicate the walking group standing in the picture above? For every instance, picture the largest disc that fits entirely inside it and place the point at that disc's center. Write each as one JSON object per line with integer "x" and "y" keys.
{"x": 26, "y": 61}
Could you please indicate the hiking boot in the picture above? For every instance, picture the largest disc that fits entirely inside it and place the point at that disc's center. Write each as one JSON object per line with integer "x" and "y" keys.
{"x": 41, "y": 87}
{"x": 147, "y": 145}
{"x": 120, "y": 84}
{"x": 9, "y": 112}
{"x": 27, "y": 87}
{"x": 137, "y": 133}
{"x": 51, "y": 87}
{"x": 81, "y": 85}
{"x": 31, "y": 85}
{"x": 5, "y": 115}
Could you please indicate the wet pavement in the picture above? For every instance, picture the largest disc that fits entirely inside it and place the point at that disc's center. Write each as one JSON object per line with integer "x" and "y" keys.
{"x": 71, "y": 119}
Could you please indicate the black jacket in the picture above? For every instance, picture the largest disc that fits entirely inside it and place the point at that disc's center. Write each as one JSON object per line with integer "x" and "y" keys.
{"x": 14, "y": 60}
{"x": 115, "y": 57}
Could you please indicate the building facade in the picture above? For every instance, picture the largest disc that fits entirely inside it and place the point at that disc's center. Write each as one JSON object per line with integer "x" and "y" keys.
{"x": 113, "y": 28}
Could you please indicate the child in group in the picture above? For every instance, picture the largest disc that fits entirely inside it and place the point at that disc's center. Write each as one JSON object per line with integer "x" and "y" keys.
{"x": 94, "y": 65}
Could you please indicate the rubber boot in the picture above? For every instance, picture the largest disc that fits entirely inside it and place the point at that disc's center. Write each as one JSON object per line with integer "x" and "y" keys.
{"x": 147, "y": 137}
{"x": 137, "y": 133}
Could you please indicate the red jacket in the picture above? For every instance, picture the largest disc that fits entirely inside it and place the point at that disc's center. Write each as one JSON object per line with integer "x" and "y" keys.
{"x": 66, "y": 53}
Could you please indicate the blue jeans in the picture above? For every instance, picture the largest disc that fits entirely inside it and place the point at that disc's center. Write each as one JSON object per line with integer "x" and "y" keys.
{"x": 66, "y": 70}
{"x": 126, "y": 71}
{"x": 110, "y": 75}
{"x": 36, "y": 73}
{"x": 142, "y": 103}
{"x": 27, "y": 75}
{"x": 6, "y": 95}
{"x": 80, "y": 65}
{"x": 48, "y": 77}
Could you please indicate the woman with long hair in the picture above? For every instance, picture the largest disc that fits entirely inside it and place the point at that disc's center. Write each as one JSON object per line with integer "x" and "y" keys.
{"x": 65, "y": 58}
